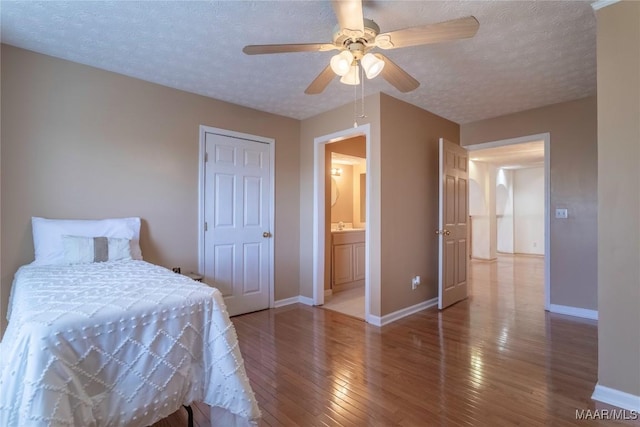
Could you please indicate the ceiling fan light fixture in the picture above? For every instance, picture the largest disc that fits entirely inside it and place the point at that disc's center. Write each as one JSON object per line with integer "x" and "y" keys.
{"x": 341, "y": 63}
{"x": 372, "y": 65}
{"x": 352, "y": 77}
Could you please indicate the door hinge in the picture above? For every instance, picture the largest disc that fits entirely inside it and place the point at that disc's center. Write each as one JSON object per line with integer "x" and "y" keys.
{"x": 205, "y": 226}
{"x": 206, "y": 157}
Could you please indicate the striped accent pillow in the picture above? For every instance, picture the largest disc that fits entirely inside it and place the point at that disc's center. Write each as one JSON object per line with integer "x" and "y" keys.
{"x": 83, "y": 250}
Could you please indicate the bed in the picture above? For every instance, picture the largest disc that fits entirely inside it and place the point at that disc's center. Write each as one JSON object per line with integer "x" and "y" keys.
{"x": 117, "y": 342}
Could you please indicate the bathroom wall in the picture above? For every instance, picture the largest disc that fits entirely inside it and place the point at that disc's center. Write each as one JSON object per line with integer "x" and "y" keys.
{"x": 342, "y": 210}
{"x": 359, "y": 192}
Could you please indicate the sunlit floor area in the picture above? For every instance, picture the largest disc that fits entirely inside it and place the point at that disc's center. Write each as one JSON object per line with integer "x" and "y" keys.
{"x": 495, "y": 359}
{"x": 350, "y": 302}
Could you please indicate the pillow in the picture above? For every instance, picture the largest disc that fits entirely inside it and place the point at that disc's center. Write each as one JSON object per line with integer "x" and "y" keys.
{"x": 83, "y": 250}
{"x": 47, "y": 235}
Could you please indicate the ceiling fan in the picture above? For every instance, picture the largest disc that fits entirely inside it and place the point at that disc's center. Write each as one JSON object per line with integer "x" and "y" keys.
{"x": 355, "y": 36}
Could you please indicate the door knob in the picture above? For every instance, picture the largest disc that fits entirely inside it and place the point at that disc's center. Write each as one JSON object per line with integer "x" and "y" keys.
{"x": 266, "y": 234}
{"x": 444, "y": 232}
{"x": 447, "y": 232}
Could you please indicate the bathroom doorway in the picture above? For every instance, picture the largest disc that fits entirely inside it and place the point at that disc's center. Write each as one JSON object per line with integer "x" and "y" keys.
{"x": 345, "y": 216}
{"x": 341, "y": 208}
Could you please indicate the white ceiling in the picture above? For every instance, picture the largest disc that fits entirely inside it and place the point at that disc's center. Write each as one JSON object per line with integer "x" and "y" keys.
{"x": 526, "y": 54}
{"x": 528, "y": 154}
{"x": 345, "y": 159}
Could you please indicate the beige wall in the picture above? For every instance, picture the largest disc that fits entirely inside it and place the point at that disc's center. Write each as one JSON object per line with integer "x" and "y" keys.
{"x": 337, "y": 120}
{"x": 403, "y": 160}
{"x": 357, "y": 147}
{"x": 619, "y": 197}
{"x": 78, "y": 142}
{"x": 573, "y": 180}
{"x": 409, "y": 195}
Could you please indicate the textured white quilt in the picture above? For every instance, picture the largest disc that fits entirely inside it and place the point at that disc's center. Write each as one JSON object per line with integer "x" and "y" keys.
{"x": 118, "y": 343}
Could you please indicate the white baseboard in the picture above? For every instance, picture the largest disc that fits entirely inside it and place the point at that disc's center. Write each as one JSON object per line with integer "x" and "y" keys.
{"x": 392, "y": 317}
{"x": 574, "y": 311}
{"x": 293, "y": 300}
{"x": 617, "y": 398}
{"x": 286, "y": 301}
{"x": 305, "y": 300}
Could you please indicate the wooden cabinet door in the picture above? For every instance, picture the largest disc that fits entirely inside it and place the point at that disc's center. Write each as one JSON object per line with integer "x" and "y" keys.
{"x": 359, "y": 256}
{"x": 342, "y": 264}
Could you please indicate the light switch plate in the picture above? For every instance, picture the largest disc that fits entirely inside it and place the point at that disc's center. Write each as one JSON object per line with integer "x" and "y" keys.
{"x": 562, "y": 213}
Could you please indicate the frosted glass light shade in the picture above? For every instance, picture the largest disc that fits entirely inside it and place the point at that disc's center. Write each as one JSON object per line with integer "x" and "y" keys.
{"x": 372, "y": 65}
{"x": 341, "y": 62}
{"x": 352, "y": 77}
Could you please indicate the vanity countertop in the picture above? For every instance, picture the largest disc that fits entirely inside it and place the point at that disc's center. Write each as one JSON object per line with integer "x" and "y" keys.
{"x": 348, "y": 230}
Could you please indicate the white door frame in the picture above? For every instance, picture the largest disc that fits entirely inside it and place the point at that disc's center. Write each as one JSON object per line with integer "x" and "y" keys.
{"x": 319, "y": 208}
{"x": 201, "y": 175}
{"x": 546, "y": 137}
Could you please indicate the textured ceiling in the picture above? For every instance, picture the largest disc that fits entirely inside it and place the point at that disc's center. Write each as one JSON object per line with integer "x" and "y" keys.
{"x": 526, "y": 54}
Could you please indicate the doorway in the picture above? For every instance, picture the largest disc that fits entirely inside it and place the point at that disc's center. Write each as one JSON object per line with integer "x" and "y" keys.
{"x": 504, "y": 231}
{"x": 345, "y": 216}
{"x": 322, "y": 249}
{"x": 236, "y": 217}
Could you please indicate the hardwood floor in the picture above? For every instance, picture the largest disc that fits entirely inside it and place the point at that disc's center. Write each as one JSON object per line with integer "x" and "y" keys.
{"x": 495, "y": 359}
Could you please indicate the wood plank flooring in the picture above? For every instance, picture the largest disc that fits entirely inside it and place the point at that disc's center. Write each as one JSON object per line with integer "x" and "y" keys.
{"x": 495, "y": 359}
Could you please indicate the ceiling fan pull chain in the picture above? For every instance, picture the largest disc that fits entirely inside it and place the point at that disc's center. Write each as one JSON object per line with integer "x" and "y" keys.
{"x": 362, "y": 90}
{"x": 355, "y": 106}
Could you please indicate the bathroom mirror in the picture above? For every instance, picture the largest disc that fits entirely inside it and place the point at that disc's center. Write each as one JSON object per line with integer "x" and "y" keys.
{"x": 334, "y": 192}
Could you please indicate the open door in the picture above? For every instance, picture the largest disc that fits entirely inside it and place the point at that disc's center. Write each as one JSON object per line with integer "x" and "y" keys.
{"x": 453, "y": 261}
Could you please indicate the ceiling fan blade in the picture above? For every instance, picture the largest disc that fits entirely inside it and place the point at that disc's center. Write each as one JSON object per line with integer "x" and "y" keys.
{"x": 321, "y": 82}
{"x": 395, "y": 75}
{"x": 286, "y": 48}
{"x": 350, "y": 17}
{"x": 432, "y": 33}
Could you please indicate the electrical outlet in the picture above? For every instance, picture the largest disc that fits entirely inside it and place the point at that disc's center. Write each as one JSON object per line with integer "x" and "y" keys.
{"x": 176, "y": 270}
{"x": 415, "y": 282}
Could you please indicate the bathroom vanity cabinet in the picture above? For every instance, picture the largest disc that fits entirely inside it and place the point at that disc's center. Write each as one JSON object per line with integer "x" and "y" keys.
{"x": 348, "y": 259}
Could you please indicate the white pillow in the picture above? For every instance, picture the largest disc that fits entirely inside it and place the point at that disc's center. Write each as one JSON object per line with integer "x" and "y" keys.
{"x": 84, "y": 250}
{"x": 47, "y": 235}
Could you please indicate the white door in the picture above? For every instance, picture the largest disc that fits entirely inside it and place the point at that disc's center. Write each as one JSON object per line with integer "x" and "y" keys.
{"x": 453, "y": 261}
{"x": 237, "y": 221}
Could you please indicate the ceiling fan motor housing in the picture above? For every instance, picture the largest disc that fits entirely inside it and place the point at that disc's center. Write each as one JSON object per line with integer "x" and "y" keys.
{"x": 344, "y": 37}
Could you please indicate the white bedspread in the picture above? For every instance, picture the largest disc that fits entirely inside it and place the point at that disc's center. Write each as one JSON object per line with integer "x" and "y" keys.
{"x": 117, "y": 343}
